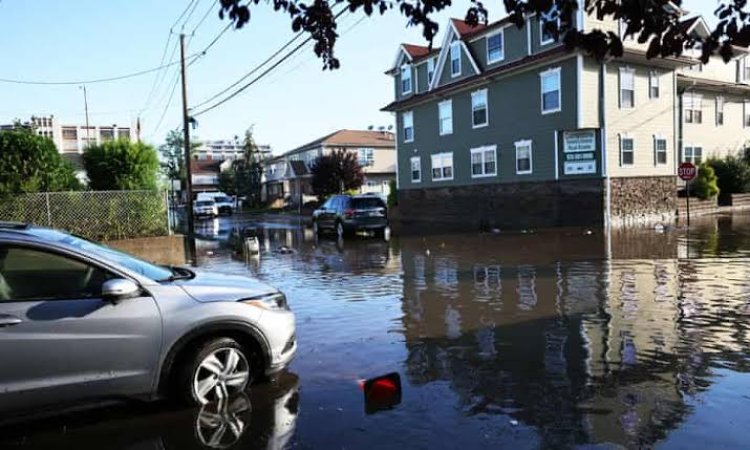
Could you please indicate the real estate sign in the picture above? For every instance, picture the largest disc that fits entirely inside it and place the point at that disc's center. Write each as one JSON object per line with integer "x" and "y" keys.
{"x": 579, "y": 148}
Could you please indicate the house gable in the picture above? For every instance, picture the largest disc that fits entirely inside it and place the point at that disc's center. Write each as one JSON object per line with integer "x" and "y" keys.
{"x": 469, "y": 65}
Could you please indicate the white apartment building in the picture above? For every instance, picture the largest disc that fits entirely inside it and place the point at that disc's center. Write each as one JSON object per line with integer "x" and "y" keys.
{"x": 75, "y": 138}
{"x": 226, "y": 149}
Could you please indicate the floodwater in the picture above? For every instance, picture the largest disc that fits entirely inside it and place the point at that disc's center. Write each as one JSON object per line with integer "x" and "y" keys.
{"x": 567, "y": 339}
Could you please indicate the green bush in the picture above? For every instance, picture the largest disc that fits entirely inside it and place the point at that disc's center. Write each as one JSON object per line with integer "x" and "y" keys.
{"x": 733, "y": 174}
{"x": 30, "y": 163}
{"x": 704, "y": 186}
{"x": 393, "y": 194}
{"x": 121, "y": 165}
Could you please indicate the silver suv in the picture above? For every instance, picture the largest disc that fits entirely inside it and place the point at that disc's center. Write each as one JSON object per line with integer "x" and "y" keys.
{"x": 80, "y": 322}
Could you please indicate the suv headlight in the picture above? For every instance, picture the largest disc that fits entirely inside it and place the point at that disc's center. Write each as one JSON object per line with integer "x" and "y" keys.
{"x": 272, "y": 302}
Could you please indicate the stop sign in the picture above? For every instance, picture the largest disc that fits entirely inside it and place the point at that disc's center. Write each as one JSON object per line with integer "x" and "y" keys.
{"x": 687, "y": 171}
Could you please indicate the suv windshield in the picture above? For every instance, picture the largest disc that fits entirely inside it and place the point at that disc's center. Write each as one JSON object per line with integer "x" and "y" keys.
{"x": 364, "y": 203}
{"x": 205, "y": 203}
{"x": 148, "y": 270}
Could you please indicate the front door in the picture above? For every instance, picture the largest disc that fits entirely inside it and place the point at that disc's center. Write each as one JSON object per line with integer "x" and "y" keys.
{"x": 60, "y": 341}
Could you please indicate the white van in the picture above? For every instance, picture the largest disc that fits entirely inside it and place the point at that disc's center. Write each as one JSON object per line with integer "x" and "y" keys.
{"x": 224, "y": 203}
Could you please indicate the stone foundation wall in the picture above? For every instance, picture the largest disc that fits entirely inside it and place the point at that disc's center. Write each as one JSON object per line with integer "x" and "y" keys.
{"x": 643, "y": 200}
{"x": 504, "y": 206}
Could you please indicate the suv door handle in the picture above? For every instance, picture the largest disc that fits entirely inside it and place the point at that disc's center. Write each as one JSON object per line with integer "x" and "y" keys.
{"x": 8, "y": 321}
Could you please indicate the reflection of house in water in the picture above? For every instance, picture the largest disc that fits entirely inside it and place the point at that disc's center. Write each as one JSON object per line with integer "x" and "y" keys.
{"x": 585, "y": 350}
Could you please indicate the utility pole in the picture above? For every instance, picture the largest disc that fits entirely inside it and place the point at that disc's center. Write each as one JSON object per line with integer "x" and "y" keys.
{"x": 188, "y": 172}
{"x": 86, "y": 110}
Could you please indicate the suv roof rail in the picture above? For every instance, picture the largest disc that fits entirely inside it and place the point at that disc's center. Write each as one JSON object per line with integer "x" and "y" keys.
{"x": 14, "y": 225}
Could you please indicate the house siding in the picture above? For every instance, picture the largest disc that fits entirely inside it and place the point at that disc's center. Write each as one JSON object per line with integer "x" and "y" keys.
{"x": 467, "y": 69}
{"x": 590, "y": 93}
{"x": 514, "y": 41}
{"x": 514, "y": 115}
{"x": 397, "y": 85}
{"x": 648, "y": 118}
{"x": 716, "y": 70}
{"x": 536, "y": 39}
{"x": 717, "y": 140}
{"x": 421, "y": 80}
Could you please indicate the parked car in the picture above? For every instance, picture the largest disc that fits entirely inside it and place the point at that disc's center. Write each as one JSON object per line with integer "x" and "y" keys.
{"x": 81, "y": 322}
{"x": 224, "y": 203}
{"x": 345, "y": 214}
{"x": 205, "y": 208}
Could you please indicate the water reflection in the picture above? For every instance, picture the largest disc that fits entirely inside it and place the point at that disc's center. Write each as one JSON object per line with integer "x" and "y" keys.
{"x": 595, "y": 350}
{"x": 264, "y": 419}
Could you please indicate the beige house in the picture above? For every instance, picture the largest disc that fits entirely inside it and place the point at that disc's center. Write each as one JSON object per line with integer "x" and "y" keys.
{"x": 287, "y": 177}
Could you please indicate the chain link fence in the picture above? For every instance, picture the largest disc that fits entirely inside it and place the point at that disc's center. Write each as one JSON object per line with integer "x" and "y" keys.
{"x": 100, "y": 215}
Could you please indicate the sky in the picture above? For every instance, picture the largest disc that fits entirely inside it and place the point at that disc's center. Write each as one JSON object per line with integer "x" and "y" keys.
{"x": 53, "y": 40}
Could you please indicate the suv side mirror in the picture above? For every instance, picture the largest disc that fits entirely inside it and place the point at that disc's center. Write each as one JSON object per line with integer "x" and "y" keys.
{"x": 119, "y": 289}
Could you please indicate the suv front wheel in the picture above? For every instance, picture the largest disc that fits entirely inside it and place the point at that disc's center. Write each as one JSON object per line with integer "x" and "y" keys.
{"x": 219, "y": 370}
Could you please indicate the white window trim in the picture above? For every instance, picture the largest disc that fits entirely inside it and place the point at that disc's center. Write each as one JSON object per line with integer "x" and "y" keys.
{"x": 502, "y": 53}
{"x": 457, "y": 45}
{"x": 622, "y": 164}
{"x": 542, "y": 42}
{"x": 432, "y": 167}
{"x": 403, "y": 126}
{"x": 555, "y": 70}
{"x": 693, "y": 147}
{"x": 694, "y": 99}
{"x": 653, "y": 75}
{"x": 525, "y": 143}
{"x": 448, "y": 102}
{"x": 486, "y": 107}
{"x": 406, "y": 67}
{"x": 418, "y": 159}
{"x": 626, "y": 70}
{"x": 658, "y": 137}
{"x": 482, "y": 151}
{"x": 430, "y": 60}
{"x": 723, "y": 109}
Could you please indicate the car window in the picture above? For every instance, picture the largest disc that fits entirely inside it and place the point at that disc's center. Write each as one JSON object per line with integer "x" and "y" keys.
{"x": 130, "y": 262}
{"x": 205, "y": 203}
{"x": 328, "y": 204}
{"x": 368, "y": 202}
{"x": 222, "y": 199}
{"x": 31, "y": 274}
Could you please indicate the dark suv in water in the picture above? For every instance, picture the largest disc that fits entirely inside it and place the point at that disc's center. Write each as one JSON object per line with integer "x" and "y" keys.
{"x": 345, "y": 214}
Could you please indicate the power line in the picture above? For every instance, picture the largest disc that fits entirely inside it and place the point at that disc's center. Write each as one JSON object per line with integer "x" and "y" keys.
{"x": 97, "y": 80}
{"x": 205, "y": 16}
{"x": 182, "y": 15}
{"x": 203, "y": 52}
{"x": 160, "y": 76}
{"x": 187, "y": 19}
{"x": 169, "y": 102}
{"x": 254, "y": 80}
{"x": 257, "y": 68}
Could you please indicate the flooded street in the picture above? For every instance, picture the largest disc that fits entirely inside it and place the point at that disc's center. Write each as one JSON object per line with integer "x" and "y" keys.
{"x": 565, "y": 339}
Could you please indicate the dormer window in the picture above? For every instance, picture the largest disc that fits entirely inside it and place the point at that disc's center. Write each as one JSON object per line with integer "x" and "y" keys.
{"x": 405, "y": 79}
{"x": 430, "y": 70}
{"x": 495, "y": 47}
{"x": 546, "y": 36}
{"x": 455, "y": 54}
